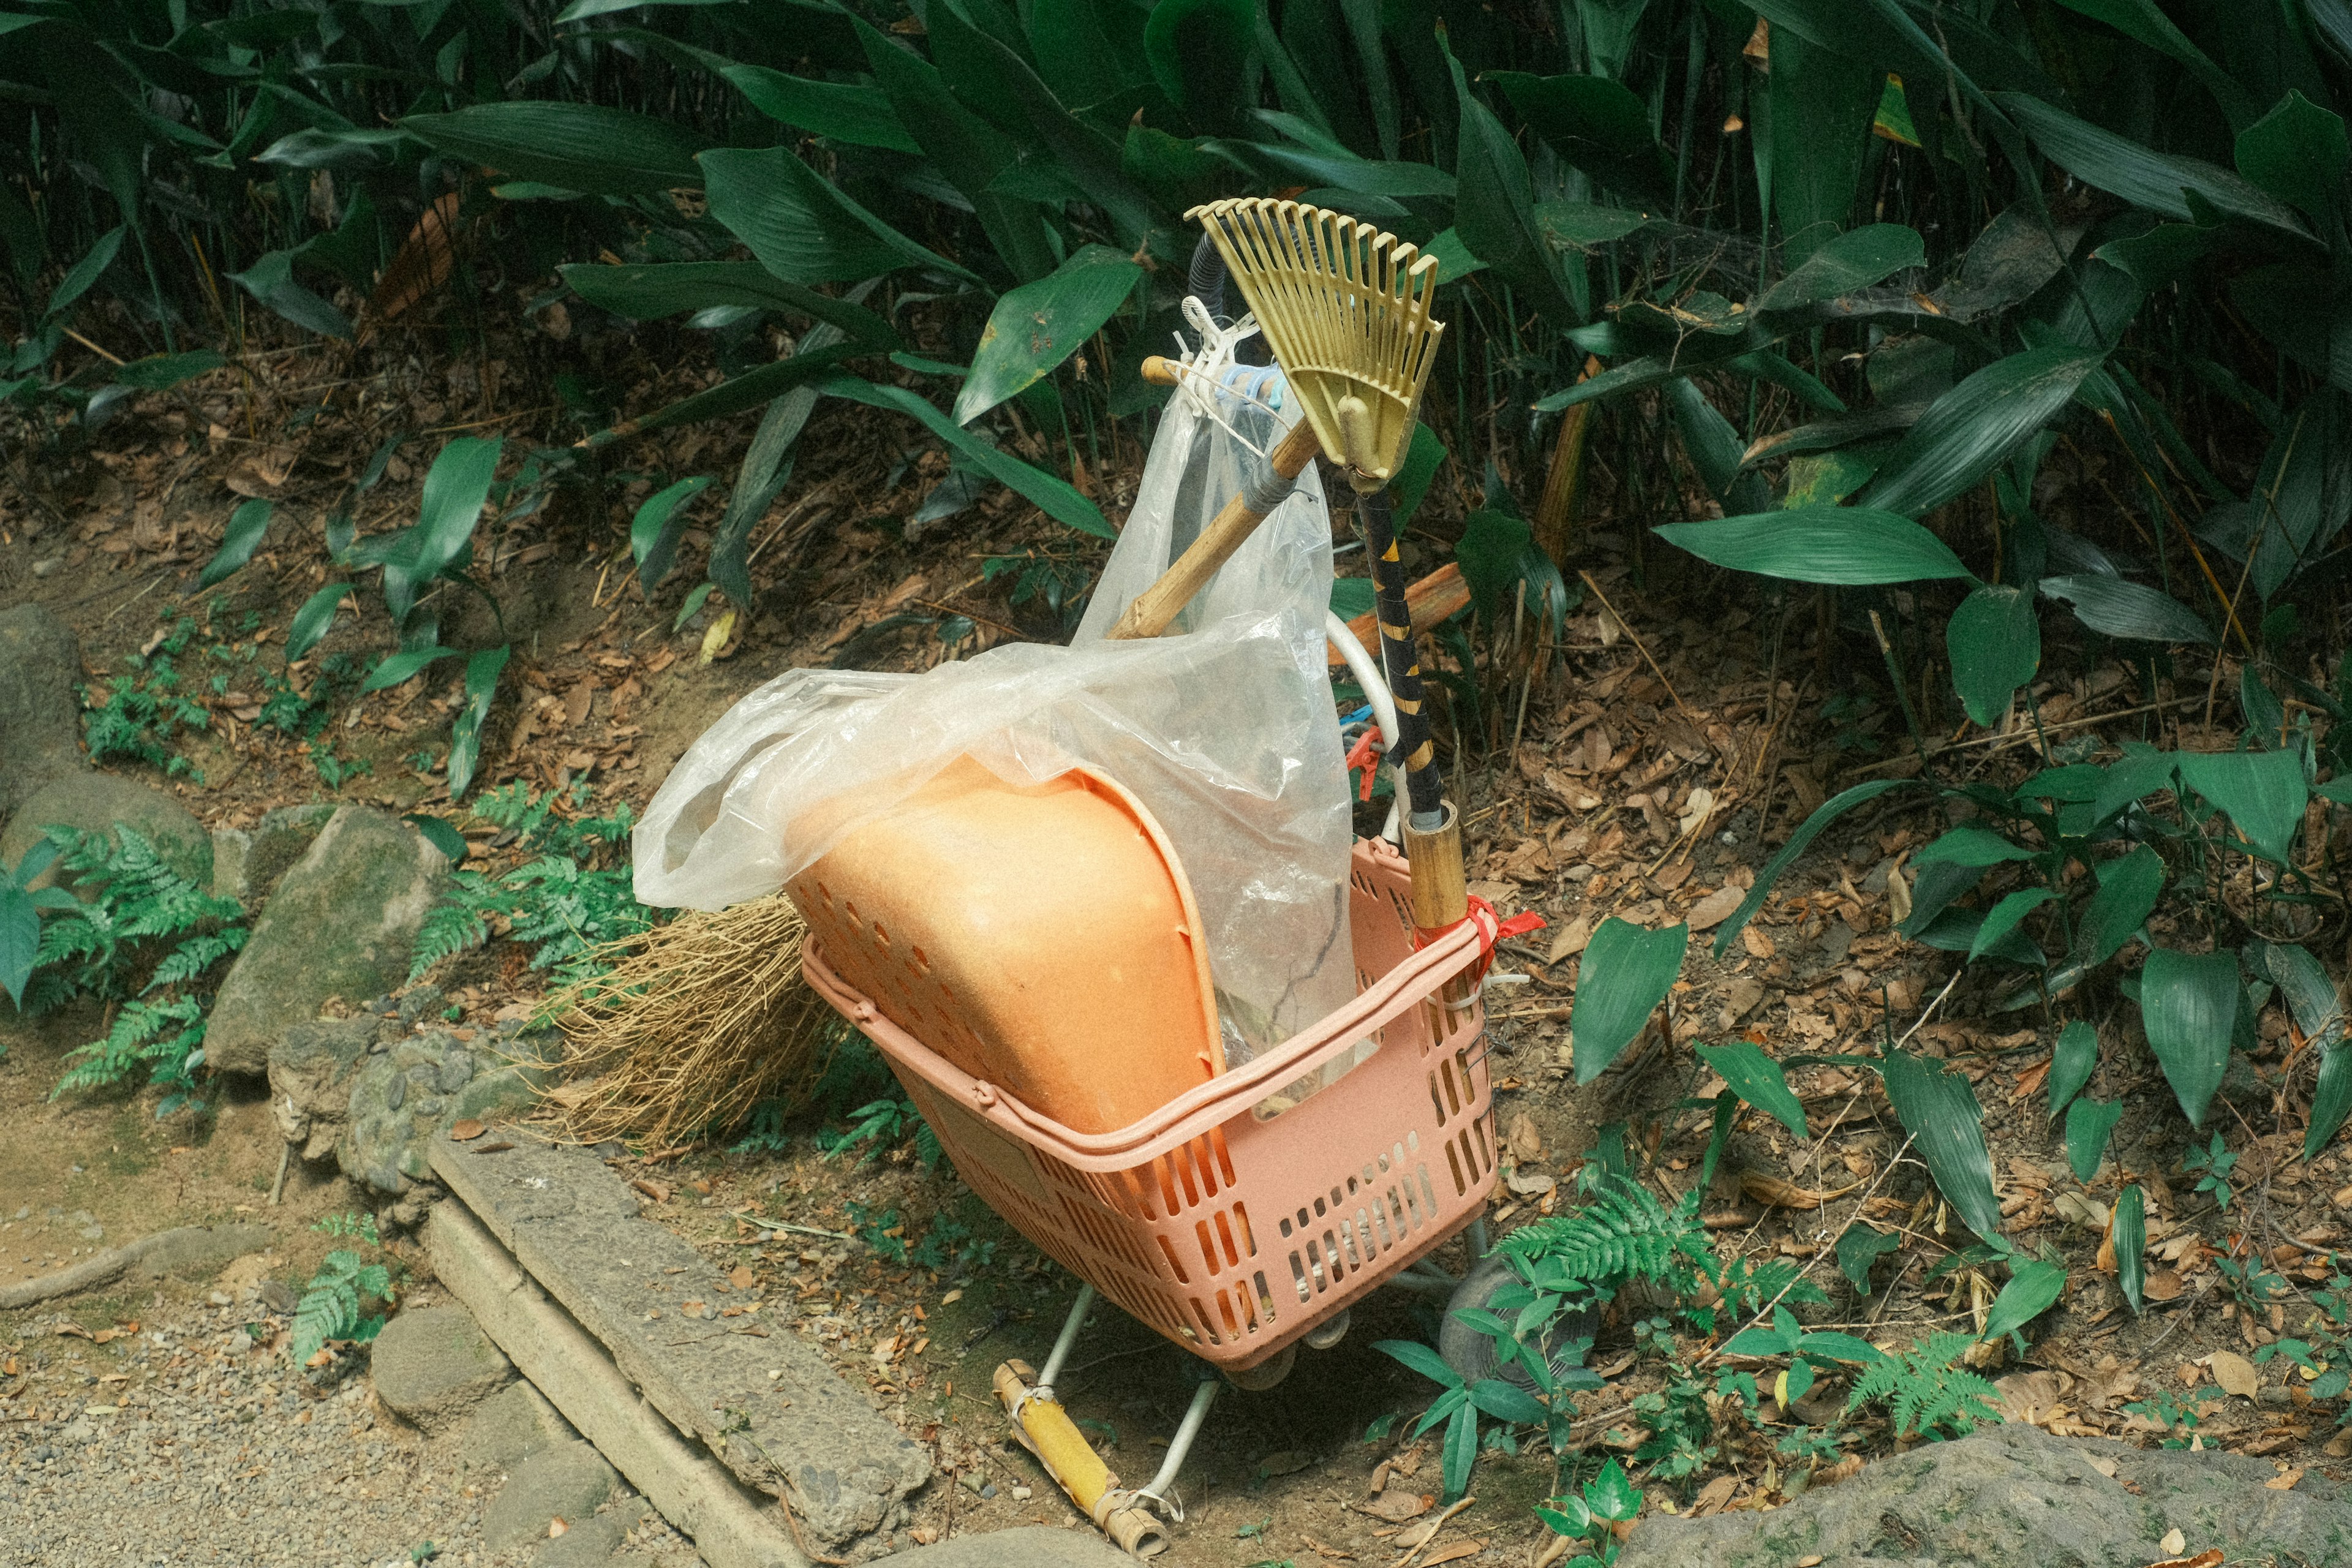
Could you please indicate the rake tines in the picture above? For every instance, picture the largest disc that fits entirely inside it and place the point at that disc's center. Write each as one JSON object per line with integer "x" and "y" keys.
{"x": 1344, "y": 307}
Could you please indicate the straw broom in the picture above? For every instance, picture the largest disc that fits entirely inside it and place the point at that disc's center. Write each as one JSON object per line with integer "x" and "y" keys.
{"x": 696, "y": 1023}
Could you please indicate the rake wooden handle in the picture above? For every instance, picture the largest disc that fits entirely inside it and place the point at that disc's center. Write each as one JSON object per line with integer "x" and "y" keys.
{"x": 1153, "y": 610}
{"x": 1161, "y": 371}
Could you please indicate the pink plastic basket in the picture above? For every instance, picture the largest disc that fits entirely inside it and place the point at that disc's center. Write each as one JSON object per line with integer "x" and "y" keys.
{"x": 1231, "y": 1235}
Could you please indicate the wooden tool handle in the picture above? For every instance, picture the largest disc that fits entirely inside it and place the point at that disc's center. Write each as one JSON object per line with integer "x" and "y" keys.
{"x": 1161, "y": 371}
{"x": 1156, "y": 606}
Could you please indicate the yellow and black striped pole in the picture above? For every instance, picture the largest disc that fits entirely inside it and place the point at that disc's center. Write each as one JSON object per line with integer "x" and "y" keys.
{"x": 1432, "y": 833}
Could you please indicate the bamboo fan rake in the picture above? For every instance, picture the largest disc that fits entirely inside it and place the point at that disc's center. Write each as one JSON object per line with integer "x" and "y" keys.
{"x": 1346, "y": 309}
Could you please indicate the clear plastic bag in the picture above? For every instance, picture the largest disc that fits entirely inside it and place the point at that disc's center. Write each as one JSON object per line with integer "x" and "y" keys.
{"x": 1226, "y": 732}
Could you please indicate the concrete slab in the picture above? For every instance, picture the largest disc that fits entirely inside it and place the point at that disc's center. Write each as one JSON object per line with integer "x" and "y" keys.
{"x": 804, "y": 1436}
{"x": 1033, "y": 1546}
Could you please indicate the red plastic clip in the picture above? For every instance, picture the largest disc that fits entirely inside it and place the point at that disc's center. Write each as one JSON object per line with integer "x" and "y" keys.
{"x": 1492, "y": 930}
{"x": 1361, "y": 755}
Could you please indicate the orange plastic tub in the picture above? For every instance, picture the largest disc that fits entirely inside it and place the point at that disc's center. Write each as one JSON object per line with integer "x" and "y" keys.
{"x": 1230, "y": 1235}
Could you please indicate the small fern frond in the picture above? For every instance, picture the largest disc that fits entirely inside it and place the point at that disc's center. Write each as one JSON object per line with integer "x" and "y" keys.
{"x": 1624, "y": 1234}
{"x": 1925, "y": 1392}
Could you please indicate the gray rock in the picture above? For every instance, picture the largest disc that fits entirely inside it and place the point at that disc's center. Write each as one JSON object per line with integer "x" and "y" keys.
{"x": 2015, "y": 1497}
{"x": 395, "y": 1105}
{"x": 434, "y": 1364}
{"x": 508, "y": 1427}
{"x": 771, "y": 1410}
{"x": 247, "y": 862}
{"x": 102, "y": 801}
{"x": 39, "y": 712}
{"x": 310, "y": 1072}
{"x": 278, "y": 1296}
{"x": 194, "y": 1251}
{"x": 589, "y": 1542}
{"x": 342, "y": 923}
{"x": 1032, "y": 1546}
{"x": 569, "y": 1482}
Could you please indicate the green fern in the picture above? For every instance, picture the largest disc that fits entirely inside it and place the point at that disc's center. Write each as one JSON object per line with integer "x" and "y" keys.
{"x": 142, "y": 914}
{"x": 331, "y": 1305}
{"x": 1927, "y": 1394}
{"x": 573, "y": 895}
{"x": 1624, "y": 1234}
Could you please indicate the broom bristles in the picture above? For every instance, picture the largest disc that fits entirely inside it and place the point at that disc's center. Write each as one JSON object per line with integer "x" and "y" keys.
{"x": 696, "y": 1023}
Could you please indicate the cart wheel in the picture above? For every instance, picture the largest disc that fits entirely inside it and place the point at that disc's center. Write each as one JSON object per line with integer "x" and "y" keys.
{"x": 1471, "y": 1354}
{"x": 1267, "y": 1373}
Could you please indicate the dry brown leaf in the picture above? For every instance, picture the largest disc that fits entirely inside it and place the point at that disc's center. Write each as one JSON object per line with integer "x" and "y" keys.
{"x": 466, "y": 1132}
{"x": 556, "y": 1527}
{"x": 2234, "y": 1372}
{"x": 1780, "y": 1193}
{"x": 422, "y": 262}
{"x": 653, "y": 1190}
{"x": 742, "y": 1278}
{"x": 1753, "y": 937}
{"x": 1571, "y": 940}
{"x": 1713, "y": 1496}
{"x": 2283, "y": 1481}
{"x": 1454, "y": 1553}
{"x": 2161, "y": 1285}
{"x": 1717, "y": 906}
{"x": 1397, "y": 1506}
{"x": 1285, "y": 1462}
{"x": 75, "y": 1331}
{"x": 2211, "y": 1557}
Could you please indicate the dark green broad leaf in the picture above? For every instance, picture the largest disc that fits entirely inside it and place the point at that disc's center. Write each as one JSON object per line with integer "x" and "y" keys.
{"x": 1940, "y": 1113}
{"x": 270, "y": 279}
{"x": 1598, "y": 125}
{"x": 1854, "y": 259}
{"x": 1821, "y": 103}
{"x": 578, "y": 146}
{"x": 842, "y": 111}
{"x": 653, "y": 532}
{"x": 405, "y": 665}
{"x": 2071, "y": 1063}
{"x": 1974, "y": 427}
{"x": 2004, "y": 918}
{"x": 465, "y": 735}
{"x": 2139, "y": 773}
{"x": 1757, "y": 1080}
{"x": 2304, "y": 310}
{"x": 802, "y": 229}
{"x": 1715, "y": 449}
{"x": 1828, "y": 811}
{"x": 2088, "y": 1124}
{"x": 1968, "y": 845}
{"x": 438, "y": 834}
{"x": 1995, "y": 642}
{"x": 2332, "y": 1100}
{"x": 2129, "y": 886}
{"x": 1508, "y": 573}
{"x": 2143, "y": 22}
{"x": 161, "y": 373}
{"x": 2310, "y": 996}
{"x": 1626, "y": 972}
{"x": 645, "y": 290}
{"x": 1861, "y": 1246}
{"x": 456, "y": 487}
{"x": 2264, "y": 792}
{"x": 1056, "y": 498}
{"x": 2119, "y": 609}
{"x": 1821, "y": 544}
{"x": 2033, "y": 1289}
{"x": 2189, "y": 1002}
{"x": 243, "y": 536}
{"x": 1494, "y": 210}
{"x": 1199, "y": 52}
{"x": 311, "y": 622}
{"x": 1038, "y": 325}
{"x": 2297, "y": 153}
{"x": 85, "y": 272}
{"x": 752, "y": 389}
{"x": 2157, "y": 181}
{"x": 2131, "y": 1243}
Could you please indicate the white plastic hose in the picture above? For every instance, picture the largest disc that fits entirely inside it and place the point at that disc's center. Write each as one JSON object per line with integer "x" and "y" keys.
{"x": 1367, "y": 671}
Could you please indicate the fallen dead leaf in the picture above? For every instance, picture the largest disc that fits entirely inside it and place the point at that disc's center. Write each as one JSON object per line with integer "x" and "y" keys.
{"x": 2211, "y": 1557}
{"x": 742, "y": 1278}
{"x": 653, "y": 1190}
{"x": 2161, "y": 1285}
{"x": 1714, "y": 1495}
{"x": 1396, "y": 1506}
{"x": 2235, "y": 1373}
{"x": 1716, "y": 908}
{"x": 2173, "y": 1543}
{"x": 466, "y": 1132}
{"x": 75, "y": 1331}
{"x": 1779, "y": 1192}
{"x": 1753, "y": 937}
{"x": 1285, "y": 1462}
{"x": 2102, "y": 1463}
{"x": 556, "y": 1527}
{"x": 2283, "y": 1481}
{"x": 1570, "y": 941}
{"x": 1453, "y": 1552}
